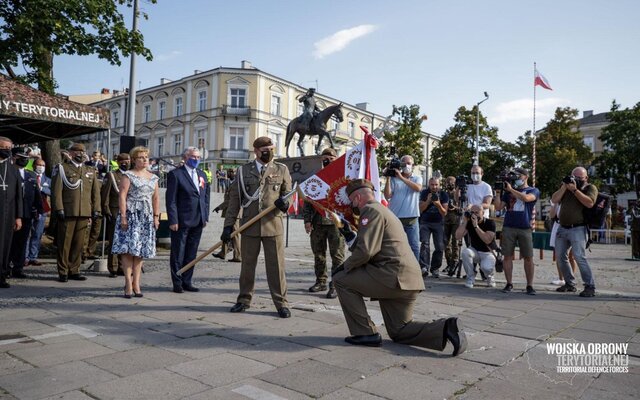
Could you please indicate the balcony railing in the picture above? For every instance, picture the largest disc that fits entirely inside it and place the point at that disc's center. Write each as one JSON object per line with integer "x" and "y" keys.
{"x": 231, "y": 154}
{"x": 231, "y": 110}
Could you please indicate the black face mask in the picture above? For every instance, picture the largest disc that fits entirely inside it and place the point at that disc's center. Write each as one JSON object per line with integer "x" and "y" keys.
{"x": 326, "y": 162}
{"x": 5, "y": 153}
{"x": 124, "y": 166}
{"x": 22, "y": 162}
{"x": 78, "y": 158}
{"x": 266, "y": 156}
{"x": 579, "y": 183}
{"x": 450, "y": 187}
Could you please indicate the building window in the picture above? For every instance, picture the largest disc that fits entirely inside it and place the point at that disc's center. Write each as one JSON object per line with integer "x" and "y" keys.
{"x": 200, "y": 138}
{"x": 335, "y": 125}
{"x": 238, "y": 97}
{"x": 178, "y": 106}
{"x": 352, "y": 128}
{"x": 589, "y": 142}
{"x": 275, "y": 105}
{"x": 162, "y": 108}
{"x": 275, "y": 137}
{"x": 202, "y": 100}
{"x": 115, "y": 119}
{"x": 177, "y": 144}
{"x": 236, "y": 138}
{"x": 160, "y": 147}
{"x": 146, "y": 113}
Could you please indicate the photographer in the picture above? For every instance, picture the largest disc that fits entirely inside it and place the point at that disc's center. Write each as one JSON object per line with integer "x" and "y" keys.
{"x": 402, "y": 191}
{"x": 574, "y": 196}
{"x": 482, "y": 234}
{"x": 451, "y": 222}
{"x": 519, "y": 201}
{"x": 479, "y": 192}
{"x": 432, "y": 212}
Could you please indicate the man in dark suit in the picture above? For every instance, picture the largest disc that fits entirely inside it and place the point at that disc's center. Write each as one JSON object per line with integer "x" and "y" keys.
{"x": 187, "y": 201}
{"x": 10, "y": 207}
{"x": 31, "y": 209}
{"x": 381, "y": 266}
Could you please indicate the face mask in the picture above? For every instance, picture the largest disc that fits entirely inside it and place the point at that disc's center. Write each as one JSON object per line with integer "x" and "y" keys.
{"x": 450, "y": 187}
{"x": 22, "y": 162}
{"x": 355, "y": 209}
{"x": 266, "y": 156}
{"x": 579, "y": 183}
{"x": 519, "y": 182}
{"x": 475, "y": 177}
{"x": 326, "y": 162}
{"x": 191, "y": 163}
{"x": 39, "y": 170}
{"x": 124, "y": 166}
{"x": 5, "y": 153}
{"x": 79, "y": 158}
{"x": 408, "y": 169}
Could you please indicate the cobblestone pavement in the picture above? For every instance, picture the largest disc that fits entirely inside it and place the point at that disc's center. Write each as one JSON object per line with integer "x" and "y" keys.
{"x": 82, "y": 340}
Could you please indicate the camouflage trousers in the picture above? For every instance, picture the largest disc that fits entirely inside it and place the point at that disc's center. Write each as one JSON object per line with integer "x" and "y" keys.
{"x": 320, "y": 236}
{"x": 452, "y": 247}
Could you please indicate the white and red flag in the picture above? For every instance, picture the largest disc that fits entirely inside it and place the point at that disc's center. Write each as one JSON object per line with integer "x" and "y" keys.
{"x": 327, "y": 186}
{"x": 540, "y": 80}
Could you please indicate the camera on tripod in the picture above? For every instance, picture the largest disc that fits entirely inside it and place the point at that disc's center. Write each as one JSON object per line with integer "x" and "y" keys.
{"x": 509, "y": 177}
{"x": 462, "y": 181}
{"x": 394, "y": 164}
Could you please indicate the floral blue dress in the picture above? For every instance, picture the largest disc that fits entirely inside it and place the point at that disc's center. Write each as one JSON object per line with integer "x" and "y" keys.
{"x": 140, "y": 237}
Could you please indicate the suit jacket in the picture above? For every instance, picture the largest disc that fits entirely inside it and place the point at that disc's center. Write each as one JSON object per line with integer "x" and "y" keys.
{"x": 11, "y": 203}
{"x": 31, "y": 197}
{"x": 184, "y": 199}
{"x": 108, "y": 193}
{"x": 383, "y": 249}
{"x": 275, "y": 183}
{"x": 80, "y": 202}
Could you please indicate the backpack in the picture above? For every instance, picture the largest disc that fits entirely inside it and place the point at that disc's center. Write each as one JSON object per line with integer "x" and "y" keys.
{"x": 594, "y": 216}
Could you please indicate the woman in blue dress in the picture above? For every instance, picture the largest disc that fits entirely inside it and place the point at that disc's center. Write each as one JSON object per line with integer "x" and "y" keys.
{"x": 135, "y": 235}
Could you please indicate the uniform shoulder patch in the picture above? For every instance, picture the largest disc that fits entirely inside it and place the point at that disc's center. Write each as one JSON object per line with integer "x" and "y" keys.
{"x": 364, "y": 221}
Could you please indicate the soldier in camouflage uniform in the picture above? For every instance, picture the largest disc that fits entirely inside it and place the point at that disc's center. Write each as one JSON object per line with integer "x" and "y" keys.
{"x": 321, "y": 231}
{"x": 451, "y": 222}
{"x": 110, "y": 195}
{"x": 76, "y": 200}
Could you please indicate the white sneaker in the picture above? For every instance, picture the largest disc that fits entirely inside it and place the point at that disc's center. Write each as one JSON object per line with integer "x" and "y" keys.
{"x": 557, "y": 282}
{"x": 469, "y": 284}
{"x": 491, "y": 281}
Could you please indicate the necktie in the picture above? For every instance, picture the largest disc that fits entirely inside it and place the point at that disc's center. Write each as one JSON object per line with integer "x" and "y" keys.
{"x": 194, "y": 177}
{"x": 262, "y": 169}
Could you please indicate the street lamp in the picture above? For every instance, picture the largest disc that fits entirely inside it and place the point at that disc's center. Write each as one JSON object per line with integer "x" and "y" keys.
{"x": 477, "y": 160}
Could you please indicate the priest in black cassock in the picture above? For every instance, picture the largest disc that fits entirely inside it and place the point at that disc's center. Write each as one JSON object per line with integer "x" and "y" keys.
{"x": 10, "y": 206}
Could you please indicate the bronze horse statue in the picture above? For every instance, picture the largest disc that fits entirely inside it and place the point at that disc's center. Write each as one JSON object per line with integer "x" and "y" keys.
{"x": 317, "y": 126}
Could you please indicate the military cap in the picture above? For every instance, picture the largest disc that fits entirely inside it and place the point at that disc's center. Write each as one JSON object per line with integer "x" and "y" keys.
{"x": 123, "y": 157}
{"x": 77, "y": 147}
{"x": 358, "y": 184}
{"x": 262, "y": 141}
{"x": 521, "y": 171}
{"x": 329, "y": 152}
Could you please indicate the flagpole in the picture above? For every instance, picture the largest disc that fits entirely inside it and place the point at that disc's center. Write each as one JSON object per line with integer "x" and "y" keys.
{"x": 533, "y": 169}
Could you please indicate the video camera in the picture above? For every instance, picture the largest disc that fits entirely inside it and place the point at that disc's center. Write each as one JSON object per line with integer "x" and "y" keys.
{"x": 462, "y": 181}
{"x": 509, "y": 177}
{"x": 394, "y": 164}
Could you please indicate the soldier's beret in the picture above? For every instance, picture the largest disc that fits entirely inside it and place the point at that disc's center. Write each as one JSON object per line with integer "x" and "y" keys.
{"x": 329, "y": 152}
{"x": 358, "y": 184}
{"x": 77, "y": 147}
{"x": 20, "y": 152}
{"x": 262, "y": 141}
{"x": 123, "y": 157}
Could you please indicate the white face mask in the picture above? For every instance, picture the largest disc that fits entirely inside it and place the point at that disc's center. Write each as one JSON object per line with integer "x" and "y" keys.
{"x": 475, "y": 177}
{"x": 40, "y": 170}
{"x": 408, "y": 169}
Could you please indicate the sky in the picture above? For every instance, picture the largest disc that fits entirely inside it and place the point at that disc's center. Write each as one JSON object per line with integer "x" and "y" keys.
{"x": 439, "y": 55}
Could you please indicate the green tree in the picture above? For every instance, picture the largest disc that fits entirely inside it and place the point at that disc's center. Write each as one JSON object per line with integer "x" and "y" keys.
{"x": 622, "y": 139}
{"x": 406, "y": 140}
{"x": 559, "y": 149}
{"x": 33, "y": 32}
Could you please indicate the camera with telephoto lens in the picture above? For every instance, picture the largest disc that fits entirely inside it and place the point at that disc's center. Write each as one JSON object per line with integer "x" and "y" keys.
{"x": 509, "y": 177}
{"x": 394, "y": 164}
{"x": 467, "y": 214}
{"x": 569, "y": 179}
{"x": 462, "y": 181}
{"x": 435, "y": 196}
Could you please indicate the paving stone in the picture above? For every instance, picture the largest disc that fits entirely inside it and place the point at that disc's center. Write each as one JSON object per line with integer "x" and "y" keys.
{"x": 445, "y": 367}
{"x": 17, "y": 313}
{"x": 623, "y": 385}
{"x": 132, "y": 339}
{"x": 278, "y": 352}
{"x": 311, "y": 377}
{"x": 614, "y": 319}
{"x": 203, "y": 346}
{"x": 137, "y": 360}
{"x": 330, "y": 338}
{"x": 521, "y": 331}
{"x": 495, "y": 349}
{"x": 565, "y": 308}
{"x": 546, "y": 324}
{"x": 555, "y": 315}
{"x": 221, "y": 369}
{"x": 11, "y": 365}
{"x": 249, "y": 389}
{"x": 101, "y": 324}
{"x": 47, "y": 381}
{"x": 151, "y": 385}
{"x": 18, "y": 344}
{"x": 187, "y": 329}
{"x": 605, "y": 327}
{"x": 505, "y": 313}
{"x": 72, "y": 395}
{"x": 351, "y": 394}
{"x": 398, "y": 383}
{"x": 23, "y": 326}
{"x": 59, "y": 353}
{"x": 586, "y": 336}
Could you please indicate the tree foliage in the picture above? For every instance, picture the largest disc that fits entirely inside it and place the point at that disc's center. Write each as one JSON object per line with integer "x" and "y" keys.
{"x": 407, "y": 140}
{"x": 622, "y": 139}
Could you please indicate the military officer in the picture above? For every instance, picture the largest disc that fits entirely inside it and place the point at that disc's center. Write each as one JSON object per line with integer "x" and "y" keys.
{"x": 235, "y": 245}
{"x": 381, "y": 266}
{"x": 321, "y": 231}
{"x": 95, "y": 229}
{"x": 76, "y": 200}
{"x": 258, "y": 185}
{"x": 109, "y": 195}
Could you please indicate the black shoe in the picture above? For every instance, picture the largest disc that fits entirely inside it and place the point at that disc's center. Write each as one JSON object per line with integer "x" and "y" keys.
{"x": 508, "y": 288}
{"x": 332, "y": 294}
{"x": 234, "y": 260}
{"x": 4, "y": 284}
{"x": 318, "y": 287}
{"x": 284, "y": 313}
{"x": 77, "y": 277}
{"x": 113, "y": 275}
{"x": 178, "y": 289}
{"x": 374, "y": 340}
{"x": 531, "y": 291}
{"x": 566, "y": 288}
{"x": 218, "y": 255}
{"x": 137, "y": 294}
{"x": 239, "y": 307}
{"x": 190, "y": 288}
{"x": 589, "y": 291}
{"x": 120, "y": 272}
{"x": 425, "y": 272}
{"x": 455, "y": 334}
{"x": 92, "y": 257}
{"x": 19, "y": 275}
{"x": 435, "y": 274}
{"x": 63, "y": 278}
{"x": 127, "y": 295}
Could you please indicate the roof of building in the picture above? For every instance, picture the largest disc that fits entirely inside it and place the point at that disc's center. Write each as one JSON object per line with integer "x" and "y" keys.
{"x": 594, "y": 119}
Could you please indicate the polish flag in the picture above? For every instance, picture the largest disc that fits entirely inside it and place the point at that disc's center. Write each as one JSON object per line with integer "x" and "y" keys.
{"x": 328, "y": 186}
{"x": 540, "y": 80}
{"x": 295, "y": 203}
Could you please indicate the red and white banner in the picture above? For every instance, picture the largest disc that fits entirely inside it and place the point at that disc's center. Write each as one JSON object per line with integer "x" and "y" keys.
{"x": 540, "y": 80}
{"x": 327, "y": 187}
